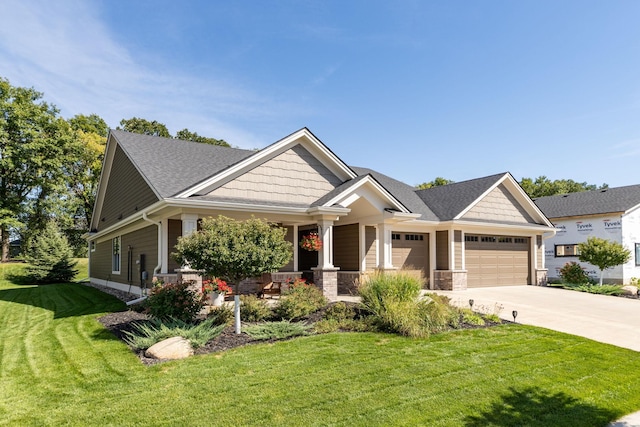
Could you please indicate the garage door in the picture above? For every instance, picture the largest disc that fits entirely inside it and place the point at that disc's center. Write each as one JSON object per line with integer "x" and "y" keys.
{"x": 496, "y": 260}
{"x": 410, "y": 250}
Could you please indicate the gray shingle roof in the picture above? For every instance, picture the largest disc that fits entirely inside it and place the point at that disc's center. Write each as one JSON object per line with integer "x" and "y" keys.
{"x": 619, "y": 199}
{"x": 173, "y": 165}
{"x": 405, "y": 193}
{"x": 447, "y": 201}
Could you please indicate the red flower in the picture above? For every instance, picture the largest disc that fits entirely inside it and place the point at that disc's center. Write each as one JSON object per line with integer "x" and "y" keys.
{"x": 215, "y": 285}
{"x": 311, "y": 242}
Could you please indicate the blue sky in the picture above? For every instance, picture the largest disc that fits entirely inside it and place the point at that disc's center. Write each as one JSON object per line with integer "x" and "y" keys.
{"x": 413, "y": 89}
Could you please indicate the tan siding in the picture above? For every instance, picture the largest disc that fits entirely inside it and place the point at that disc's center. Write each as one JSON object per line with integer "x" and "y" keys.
{"x": 370, "y": 247}
{"x": 346, "y": 247}
{"x": 294, "y": 176}
{"x": 126, "y": 191}
{"x": 442, "y": 250}
{"x": 289, "y": 238}
{"x": 175, "y": 231}
{"x": 539, "y": 251}
{"x": 457, "y": 239}
{"x": 499, "y": 205}
{"x": 101, "y": 261}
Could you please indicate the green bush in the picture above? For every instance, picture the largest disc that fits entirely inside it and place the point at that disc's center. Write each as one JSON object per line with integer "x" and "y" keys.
{"x": 221, "y": 315}
{"x": 50, "y": 257}
{"x": 393, "y": 301}
{"x": 147, "y": 334}
{"x": 299, "y": 301}
{"x": 364, "y": 324}
{"x": 339, "y": 312}
{"x": 253, "y": 309}
{"x": 438, "y": 314}
{"x": 596, "y": 289}
{"x": 276, "y": 330}
{"x": 471, "y": 318}
{"x": 175, "y": 300}
{"x": 573, "y": 273}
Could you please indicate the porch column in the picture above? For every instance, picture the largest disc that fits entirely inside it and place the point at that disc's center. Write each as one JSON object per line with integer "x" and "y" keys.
{"x": 363, "y": 247}
{"x": 325, "y": 256}
{"x": 296, "y": 247}
{"x": 384, "y": 247}
{"x": 164, "y": 246}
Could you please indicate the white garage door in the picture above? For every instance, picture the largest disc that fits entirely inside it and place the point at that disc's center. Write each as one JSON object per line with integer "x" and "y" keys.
{"x": 496, "y": 260}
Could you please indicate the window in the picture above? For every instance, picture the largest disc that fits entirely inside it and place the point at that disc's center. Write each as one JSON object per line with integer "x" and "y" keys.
{"x": 505, "y": 240}
{"x": 567, "y": 250}
{"x": 468, "y": 238}
{"x": 92, "y": 245}
{"x": 115, "y": 263}
{"x": 520, "y": 240}
{"x": 395, "y": 236}
{"x": 489, "y": 239}
{"x": 413, "y": 237}
{"x": 637, "y": 254}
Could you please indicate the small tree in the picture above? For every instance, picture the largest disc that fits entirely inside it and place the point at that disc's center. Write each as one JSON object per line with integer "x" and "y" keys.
{"x": 603, "y": 253}
{"x": 49, "y": 257}
{"x": 235, "y": 250}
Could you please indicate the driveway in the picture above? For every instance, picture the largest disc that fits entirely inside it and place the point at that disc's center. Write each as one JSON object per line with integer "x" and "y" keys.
{"x": 601, "y": 318}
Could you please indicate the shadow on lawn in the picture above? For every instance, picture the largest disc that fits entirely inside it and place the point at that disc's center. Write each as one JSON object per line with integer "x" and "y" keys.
{"x": 532, "y": 406}
{"x": 63, "y": 299}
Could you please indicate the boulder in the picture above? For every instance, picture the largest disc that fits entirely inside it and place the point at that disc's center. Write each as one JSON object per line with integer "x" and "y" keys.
{"x": 630, "y": 290}
{"x": 171, "y": 348}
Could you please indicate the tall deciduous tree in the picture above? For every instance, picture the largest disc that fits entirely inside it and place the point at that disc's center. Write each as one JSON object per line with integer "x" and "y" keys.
{"x": 144, "y": 127}
{"x": 235, "y": 250}
{"x": 435, "y": 183}
{"x": 603, "y": 253}
{"x": 187, "y": 135}
{"x": 34, "y": 144}
{"x": 543, "y": 186}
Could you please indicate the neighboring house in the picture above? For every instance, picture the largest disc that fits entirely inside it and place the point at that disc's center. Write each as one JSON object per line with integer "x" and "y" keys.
{"x": 15, "y": 248}
{"x": 482, "y": 232}
{"x": 612, "y": 214}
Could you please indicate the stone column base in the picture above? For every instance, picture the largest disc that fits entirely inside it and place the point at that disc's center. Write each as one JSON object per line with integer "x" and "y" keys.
{"x": 450, "y": 280}
{"x": 541, "y": 277}
{"x": 327, "y": 281}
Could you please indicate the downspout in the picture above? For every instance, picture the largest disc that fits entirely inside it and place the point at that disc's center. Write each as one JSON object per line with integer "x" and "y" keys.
{"x": 156, "y": 270}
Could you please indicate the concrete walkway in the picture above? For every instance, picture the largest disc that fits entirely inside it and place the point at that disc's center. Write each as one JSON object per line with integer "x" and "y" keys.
{"x": 601, "y": 318}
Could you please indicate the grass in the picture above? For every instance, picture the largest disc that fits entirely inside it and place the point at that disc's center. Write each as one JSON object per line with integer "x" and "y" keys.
{"x": 59, "y": 366}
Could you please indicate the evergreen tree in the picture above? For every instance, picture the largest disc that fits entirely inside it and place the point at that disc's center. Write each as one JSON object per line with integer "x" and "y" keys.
{"x": 49, "y": 257}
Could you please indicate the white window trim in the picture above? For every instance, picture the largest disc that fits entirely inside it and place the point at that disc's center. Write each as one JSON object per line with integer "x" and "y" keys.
{"x": 119, "y": 238}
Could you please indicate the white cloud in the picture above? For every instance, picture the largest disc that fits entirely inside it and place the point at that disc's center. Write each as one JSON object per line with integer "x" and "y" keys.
{"x": 63, "y": 49}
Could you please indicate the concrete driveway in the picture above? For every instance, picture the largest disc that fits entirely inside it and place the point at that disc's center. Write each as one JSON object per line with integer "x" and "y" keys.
{"x": 601, "y": 318}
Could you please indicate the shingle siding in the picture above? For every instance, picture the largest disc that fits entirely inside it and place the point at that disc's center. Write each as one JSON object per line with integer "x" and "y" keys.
{"x": 499, "y": 205}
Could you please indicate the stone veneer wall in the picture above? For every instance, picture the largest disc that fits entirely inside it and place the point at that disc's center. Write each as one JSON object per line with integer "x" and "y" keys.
{"x": 327, "y": 281}
{"x": 450, "y": 280}
{"x": 541, "y": 277}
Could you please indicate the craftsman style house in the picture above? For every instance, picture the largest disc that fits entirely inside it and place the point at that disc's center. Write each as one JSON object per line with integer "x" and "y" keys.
{"x": 612, "y": 214}
{"x": 482, "y": 232}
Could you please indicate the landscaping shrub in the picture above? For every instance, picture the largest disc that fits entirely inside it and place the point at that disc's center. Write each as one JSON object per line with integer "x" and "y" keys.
{"x": 298, "y": 301}
{"x": 438, "y": 314}
{"x": 364, "y": 324}
{"x": 340, "y": 311}
{"x": 471, "y": 318}
{"x": 50, "y": 257}
{"x": 276, "y": 330}
{"x": 175, "y": 300}
{"x": 572, "y": 272}
{"x": 393, "y": 301}
{"x": 147, "y": 334}
{"x": 596, "y": 289}
{"x": 253, "y": 309}
{"x": 222, "y": 315}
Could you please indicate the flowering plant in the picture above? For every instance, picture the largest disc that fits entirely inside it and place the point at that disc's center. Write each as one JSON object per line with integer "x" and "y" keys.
{"x": 296, "y": 282}
{"x": 215, "y": 285}
{"x": 311, "y": 242}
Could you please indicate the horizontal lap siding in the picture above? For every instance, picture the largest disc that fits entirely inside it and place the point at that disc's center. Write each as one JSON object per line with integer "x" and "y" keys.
{"x": 289, "y": 238}
{"x": 127, "y": 192}
{"x": 442, "y": 250}
{"x": 175, "y": 231}
{"x": 346, "y": 247}
{"x": 370, "y": 247}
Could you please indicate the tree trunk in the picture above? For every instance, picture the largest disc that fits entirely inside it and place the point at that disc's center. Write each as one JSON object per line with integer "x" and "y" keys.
{"x": 4, "y": 236}
{"x": 601, "y": 276}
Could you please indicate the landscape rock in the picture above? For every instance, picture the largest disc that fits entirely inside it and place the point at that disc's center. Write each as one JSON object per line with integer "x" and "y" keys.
{"x": 171, "y": 348}
{"x": 630, "y": 290}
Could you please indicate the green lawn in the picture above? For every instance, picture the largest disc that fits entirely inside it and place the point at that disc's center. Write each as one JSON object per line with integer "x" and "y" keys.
{"x": 59, "y": 366}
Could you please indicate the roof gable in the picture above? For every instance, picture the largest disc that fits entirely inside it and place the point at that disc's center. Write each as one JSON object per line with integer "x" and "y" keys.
{"x": 499, "y": 205}
{"x": 618, "y": 199}
{"x": 293, "y": 176}
{"x": 303, "y": 137}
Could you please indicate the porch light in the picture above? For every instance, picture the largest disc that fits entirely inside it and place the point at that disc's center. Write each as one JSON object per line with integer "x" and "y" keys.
{"x": 471, "y": 304}
{"x": 515, "y": 314}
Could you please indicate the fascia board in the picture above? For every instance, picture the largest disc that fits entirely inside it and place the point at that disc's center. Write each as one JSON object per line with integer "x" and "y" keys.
{"x": 271, "y": 151}
{"x": 107, "y": 162}
{"x": 478, "y": 199}
{"x": 368, "y": 180}
{"x": 497, "y": 226}
{"x": 524, "y": 197}
{"x": 628, "y": 211}
{"x": 235, "y": 206}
